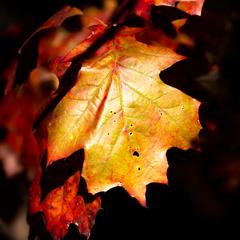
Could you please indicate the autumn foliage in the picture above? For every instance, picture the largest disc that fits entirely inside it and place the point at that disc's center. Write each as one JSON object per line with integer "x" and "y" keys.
{"x": 94, "y": 102}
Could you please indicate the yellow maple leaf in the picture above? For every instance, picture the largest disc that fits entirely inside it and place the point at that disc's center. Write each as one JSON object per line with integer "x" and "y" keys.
{"x": 124, "y": 117}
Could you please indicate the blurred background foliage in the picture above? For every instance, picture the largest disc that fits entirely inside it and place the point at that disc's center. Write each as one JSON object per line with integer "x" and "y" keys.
{"x": 203, "y": 195}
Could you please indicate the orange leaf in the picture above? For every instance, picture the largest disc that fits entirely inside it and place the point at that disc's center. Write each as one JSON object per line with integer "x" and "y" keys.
{"x": 63, "y": 207}
{"x": 124, "y": 117}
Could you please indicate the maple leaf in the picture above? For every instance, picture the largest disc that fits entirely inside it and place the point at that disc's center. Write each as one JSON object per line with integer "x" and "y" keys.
{"x": 119, "y": 111}
{"x": 124, "y": 117}
{"x": 63, "y": 207}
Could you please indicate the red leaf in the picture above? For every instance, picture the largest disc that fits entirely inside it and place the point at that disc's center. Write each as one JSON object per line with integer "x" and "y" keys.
{"x": 63, "y": 207}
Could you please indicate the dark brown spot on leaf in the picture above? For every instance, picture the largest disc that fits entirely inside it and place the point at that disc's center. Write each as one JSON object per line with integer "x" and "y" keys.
{"x": 135, "y": 153}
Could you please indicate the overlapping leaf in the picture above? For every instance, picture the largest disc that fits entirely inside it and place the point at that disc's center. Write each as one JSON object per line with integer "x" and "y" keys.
{"x": 63, "y": 207}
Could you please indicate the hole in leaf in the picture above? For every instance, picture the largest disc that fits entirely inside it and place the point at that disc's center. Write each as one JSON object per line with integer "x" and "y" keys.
{"x": 130, "y": 133}
{"x": 136, "y": 154}
{"x": 139, "y": 169}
